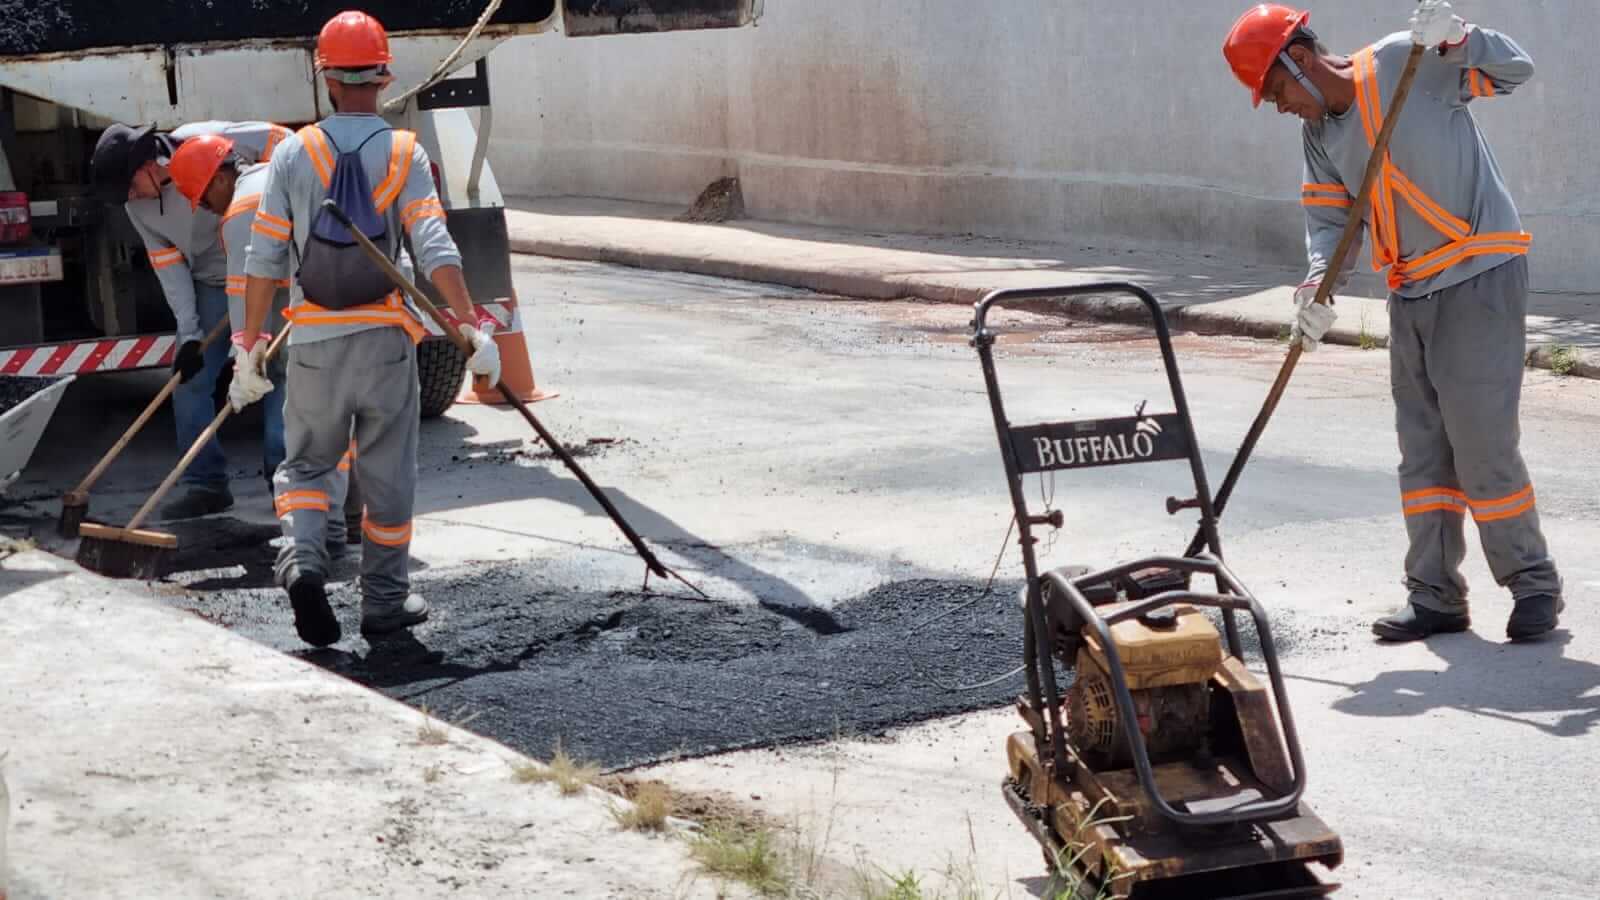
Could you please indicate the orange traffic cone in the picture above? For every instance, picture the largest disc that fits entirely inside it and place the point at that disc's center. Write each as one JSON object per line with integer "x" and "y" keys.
{"x": 516, "y": 369}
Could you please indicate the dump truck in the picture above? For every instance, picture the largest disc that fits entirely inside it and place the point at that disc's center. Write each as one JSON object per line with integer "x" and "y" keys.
{"x": 77, "y": 295}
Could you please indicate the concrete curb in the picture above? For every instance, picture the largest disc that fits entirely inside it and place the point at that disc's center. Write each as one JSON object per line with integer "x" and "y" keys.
{"x": 1202, "y": 319}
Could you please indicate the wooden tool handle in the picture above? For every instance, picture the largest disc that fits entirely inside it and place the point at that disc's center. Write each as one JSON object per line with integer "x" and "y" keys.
{"x": 144, "y": 418}
{"x": 194, "y": 449}
{"x": 453, "y": 332}
{"x": 1347, "y": 242}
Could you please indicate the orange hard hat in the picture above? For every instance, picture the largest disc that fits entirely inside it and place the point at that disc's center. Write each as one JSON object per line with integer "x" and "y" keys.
{"x": 1254, "y": 42}
{"x": 196, "y": 162}
{"x": 353, "y": 40}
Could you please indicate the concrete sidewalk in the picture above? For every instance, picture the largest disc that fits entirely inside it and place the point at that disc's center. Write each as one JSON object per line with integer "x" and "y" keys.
{"x": 149, "y": 753}
{"x": 1199, "y": 292}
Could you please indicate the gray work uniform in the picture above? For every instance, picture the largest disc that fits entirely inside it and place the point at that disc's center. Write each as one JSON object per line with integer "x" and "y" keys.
{"x": 1444, "y": 225}
{"x": 182, "y": 240}
{"x": 237, "y": 223}
{"x": 350, "y": 368}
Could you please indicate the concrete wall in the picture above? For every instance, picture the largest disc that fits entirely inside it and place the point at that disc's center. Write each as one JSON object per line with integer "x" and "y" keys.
{"x": 1035, "y": 119}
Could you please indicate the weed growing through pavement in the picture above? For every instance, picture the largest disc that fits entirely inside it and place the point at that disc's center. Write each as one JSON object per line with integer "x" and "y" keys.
{"x": 1366, "y": 340}
{"x": 652, "y": 804}
{"x": 433, "y": 773}
{"x": 433, "y": 734}
{"x": 568, "y": 775}
{"x": 748, "y": 856}
{"x": 1563, "y": 359}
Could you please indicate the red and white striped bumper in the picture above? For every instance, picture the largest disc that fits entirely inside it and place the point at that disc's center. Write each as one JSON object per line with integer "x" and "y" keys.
{"x": 84, "y": 357}
{"x": 142, "y": 352}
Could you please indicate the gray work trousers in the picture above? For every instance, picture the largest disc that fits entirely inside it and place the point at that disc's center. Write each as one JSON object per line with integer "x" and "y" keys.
{"x": 1455, "y": 360}
{"x": 356, "y": 394}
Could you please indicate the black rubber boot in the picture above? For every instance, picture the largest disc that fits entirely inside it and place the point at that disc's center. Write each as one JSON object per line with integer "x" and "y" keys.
{"x": 1534, "y": 616}
{"x": 1413, "y": 623}
{"x": 198, "y": 501}
{"x": 314, "y": 620}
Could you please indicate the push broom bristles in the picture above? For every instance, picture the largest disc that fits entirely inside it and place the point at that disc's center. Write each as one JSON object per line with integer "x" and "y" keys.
{"x": 124, "y": 552}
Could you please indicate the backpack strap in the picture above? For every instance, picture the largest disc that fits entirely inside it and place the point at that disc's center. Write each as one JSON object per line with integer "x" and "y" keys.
{"x": 321, "y": 154}
{"x": 404, "y": 144}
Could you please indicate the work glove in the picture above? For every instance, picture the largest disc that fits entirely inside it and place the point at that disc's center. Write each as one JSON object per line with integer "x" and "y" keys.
{"x": 1434, "y": 24}
{"x": 188, "y": 362}
{"x": 250, "y": 384}
{"x": 1312, "y": 320}
{"x": 485, "y": 360}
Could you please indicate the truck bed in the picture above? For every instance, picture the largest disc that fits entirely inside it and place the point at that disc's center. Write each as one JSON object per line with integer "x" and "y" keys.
{"x": 31, "y": 27}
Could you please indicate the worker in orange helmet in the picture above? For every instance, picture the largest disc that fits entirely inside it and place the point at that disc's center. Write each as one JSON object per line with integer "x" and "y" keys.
{"x": 352, "y": 337}
{"x": 210, "y": 172}
{"x": 129, "y": 167}
{"x": 1444, "y": 225}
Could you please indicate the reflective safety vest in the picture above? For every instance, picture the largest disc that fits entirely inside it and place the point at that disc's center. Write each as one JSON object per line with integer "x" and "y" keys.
{"x": 1460, "y": 243}
{"x": 391, "y": 310}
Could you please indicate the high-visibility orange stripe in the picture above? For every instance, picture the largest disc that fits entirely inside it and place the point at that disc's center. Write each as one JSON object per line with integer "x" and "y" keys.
{"x": 1506, "y": 514}
{"x": 1460, "y": 252}
{"x": 1456, "y": 508}
{"x": 269, "y": 230}
{"x": 241, "y": 205}
{"x": 284, "y": 508}
{"x": 1371, "y": 110}
{"x": 166, "y": 262}
{"x": 396, "y": 536}
{"x": 306, "y": 492}
{"x": 401, "y": 148}
{"x": 1525, "y": 492}
{"x": 274, "y": 220}
{"x": 1323, "y": 188}
{"x": 1415, "y": 194}
{"x": 1327, "y": 201}
{"x": 1479, "y": 84}
{"x": 316, "y": 145}
{"x": 275, "y": 136}
{"x": 1433, "y": 492}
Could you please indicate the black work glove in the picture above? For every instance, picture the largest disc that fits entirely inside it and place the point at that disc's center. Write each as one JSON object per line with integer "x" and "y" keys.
{"x": 189, "y": 361}
{"x": 219, "y": 394}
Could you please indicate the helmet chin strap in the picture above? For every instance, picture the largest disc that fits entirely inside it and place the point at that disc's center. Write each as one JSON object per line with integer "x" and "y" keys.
{"x": 1304, "y": 79}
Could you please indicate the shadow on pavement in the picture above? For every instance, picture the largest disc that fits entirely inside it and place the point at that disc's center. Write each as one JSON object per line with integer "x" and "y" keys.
{"x": 1502, "y": 681}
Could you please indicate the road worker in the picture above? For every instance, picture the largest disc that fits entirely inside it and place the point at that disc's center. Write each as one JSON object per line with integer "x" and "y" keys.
{"x": 130, "y": 166}
{"x": 211, "y": 175}
{"x": 352, "y": 336}
{"x": 1444, "y": 225}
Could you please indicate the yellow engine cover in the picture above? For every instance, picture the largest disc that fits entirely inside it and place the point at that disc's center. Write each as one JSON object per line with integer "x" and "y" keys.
{"x": 1161, "y": 657}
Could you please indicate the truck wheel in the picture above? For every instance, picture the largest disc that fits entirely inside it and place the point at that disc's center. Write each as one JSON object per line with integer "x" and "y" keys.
{"x": 440, "y": 371}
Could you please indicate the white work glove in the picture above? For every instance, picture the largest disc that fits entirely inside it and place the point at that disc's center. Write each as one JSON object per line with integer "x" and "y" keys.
{"x": 485, "y": 360}
{"x": 249, "y": 383}
{"x": 1312, "y": 320}
{"x": 1434, "y": 24}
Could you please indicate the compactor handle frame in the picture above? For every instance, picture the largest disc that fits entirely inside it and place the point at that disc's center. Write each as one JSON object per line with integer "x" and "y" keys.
{"x": 1231, "y": 597}
{"x": 1236, "y": 597}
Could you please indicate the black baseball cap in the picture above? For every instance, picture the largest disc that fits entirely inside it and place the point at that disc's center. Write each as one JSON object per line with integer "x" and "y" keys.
{"x": 119, "y": 153}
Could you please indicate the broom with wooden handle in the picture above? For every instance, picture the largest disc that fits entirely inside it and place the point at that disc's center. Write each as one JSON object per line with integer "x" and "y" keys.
{"x": 75, "y": 503}
{"x": 132, "y": 552}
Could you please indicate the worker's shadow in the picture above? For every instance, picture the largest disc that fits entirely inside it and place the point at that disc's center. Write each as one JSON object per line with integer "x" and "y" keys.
{"x": 538, "y": 474}
{"x": 1531, "y": 684}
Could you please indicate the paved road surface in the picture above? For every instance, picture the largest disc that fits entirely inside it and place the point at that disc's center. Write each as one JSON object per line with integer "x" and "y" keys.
{"x": 826, "y": 471}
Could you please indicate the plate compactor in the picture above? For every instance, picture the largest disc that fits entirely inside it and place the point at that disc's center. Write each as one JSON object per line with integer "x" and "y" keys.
{"x": 1165, "y": 768}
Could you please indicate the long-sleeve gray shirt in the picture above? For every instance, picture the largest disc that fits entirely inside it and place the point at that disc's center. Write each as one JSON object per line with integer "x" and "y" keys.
{"x": 236, "y": 228}
{"x": 182, "y": 241}
{"x": 292, "y": 197}
{"x": 1443, "y": 193}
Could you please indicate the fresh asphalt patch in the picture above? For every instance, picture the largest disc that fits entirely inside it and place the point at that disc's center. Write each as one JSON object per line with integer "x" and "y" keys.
{"x": 625, "y": 678}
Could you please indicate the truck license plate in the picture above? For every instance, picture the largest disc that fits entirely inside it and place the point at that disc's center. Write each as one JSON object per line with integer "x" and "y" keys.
{"x": 29, "y": 268}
